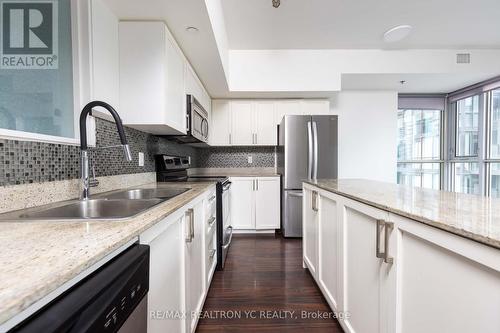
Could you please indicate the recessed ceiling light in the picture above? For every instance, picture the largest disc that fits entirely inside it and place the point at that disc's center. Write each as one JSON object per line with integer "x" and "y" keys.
{"x": 192, "y": 29}
{"x": 397, "y": 34}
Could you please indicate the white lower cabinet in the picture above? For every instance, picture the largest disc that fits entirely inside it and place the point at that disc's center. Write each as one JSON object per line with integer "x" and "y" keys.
{"x": 178, "y": 264}
{"x": 391, "y": 274}
{"x": 166, "y": 275}
{"x": 444, "y": 283}
{"x": 194, "y": 263}
{"x": 310, "y": 229}
{"x": 255, "y": 203}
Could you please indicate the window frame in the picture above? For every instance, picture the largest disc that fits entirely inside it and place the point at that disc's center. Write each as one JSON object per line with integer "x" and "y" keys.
{"x": 423, "y": 103}
{"x": 82, "y": 87}
{"x": 452, "y": 141}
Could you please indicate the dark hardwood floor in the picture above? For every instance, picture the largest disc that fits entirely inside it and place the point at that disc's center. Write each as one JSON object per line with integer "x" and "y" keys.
{"x": 264, "y": 288}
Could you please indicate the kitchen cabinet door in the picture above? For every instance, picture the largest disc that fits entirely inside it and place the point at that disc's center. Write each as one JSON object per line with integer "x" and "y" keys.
{"x": 166, "y": 271}
{"x": 286, "y": 107}
{"x": 315, "y": 107}
{"x": 242, "y": 120}
{"x": 310, "y": 208}
{"x": 266, "y": 131}
{"x": 151, "y": 78}
{"x": 175, "y": 95}
{"x": 329, "y": 248}
{"x": 444, "y": 283}
{"x": 195, "y": 87}
{"x": 363, "y": 289}
{"x": 267, "y": 203}
{"x": 195, "y": 262}
{"x": 242, "y": 203}
{"x": 219, "y": 133}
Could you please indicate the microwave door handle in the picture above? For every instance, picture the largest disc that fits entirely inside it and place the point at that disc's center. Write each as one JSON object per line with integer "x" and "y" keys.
{"x": 204, "y": 128}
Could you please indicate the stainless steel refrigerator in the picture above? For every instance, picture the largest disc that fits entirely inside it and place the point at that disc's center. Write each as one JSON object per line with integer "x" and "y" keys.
{"x": 307, "y": 149}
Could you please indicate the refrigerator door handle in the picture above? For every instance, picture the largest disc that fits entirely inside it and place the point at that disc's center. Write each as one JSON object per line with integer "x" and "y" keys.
{"x": 315, "y": 150}
{"x": 310, "y": 157}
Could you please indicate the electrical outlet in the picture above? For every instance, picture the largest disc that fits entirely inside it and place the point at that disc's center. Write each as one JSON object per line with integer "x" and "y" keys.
{"x": 141, "y": 159}
{"x": 250, "y": 159}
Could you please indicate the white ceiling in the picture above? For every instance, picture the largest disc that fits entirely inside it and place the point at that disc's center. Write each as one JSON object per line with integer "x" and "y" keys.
{"x": 360, "y": 24}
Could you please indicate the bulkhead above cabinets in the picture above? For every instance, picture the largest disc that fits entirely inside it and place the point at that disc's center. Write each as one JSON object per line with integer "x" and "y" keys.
{"x": 240, "y": 122}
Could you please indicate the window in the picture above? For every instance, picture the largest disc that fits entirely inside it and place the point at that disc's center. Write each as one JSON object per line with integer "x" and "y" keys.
{"x": 467, "y": 130}
{"x": 493, "y": 161}
{"x": 36, "y": 74}
{"x": 469, "y": 160}
{"x": 419, "y": 148}
{"x": 467, "y": 178}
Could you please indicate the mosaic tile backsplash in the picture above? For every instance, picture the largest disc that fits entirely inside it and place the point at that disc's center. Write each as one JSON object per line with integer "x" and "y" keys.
{"x": 23, "y": 162}
{"x": 236, "y": 157}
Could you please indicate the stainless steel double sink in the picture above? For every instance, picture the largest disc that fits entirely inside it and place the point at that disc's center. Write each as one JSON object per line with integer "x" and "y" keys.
{"x": 106, "y": 206}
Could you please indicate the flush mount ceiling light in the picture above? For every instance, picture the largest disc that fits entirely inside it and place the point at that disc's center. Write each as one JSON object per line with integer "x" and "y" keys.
{"x": 398, "y": 33}
{"x": 192, "y": 29}
{"x": 276, "y": 3}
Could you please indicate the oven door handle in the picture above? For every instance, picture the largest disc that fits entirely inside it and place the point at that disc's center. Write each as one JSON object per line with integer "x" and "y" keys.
{"x": 227, "y": 186}
{"x": 225, "y": 246}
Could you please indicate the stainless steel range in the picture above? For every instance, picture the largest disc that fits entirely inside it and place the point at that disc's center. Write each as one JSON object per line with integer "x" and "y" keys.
{"x": 175, "y": 169}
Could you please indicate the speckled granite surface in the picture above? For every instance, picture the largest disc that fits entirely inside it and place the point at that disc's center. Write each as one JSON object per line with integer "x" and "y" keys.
{"x": 471, "y": 216}
{"x": 39, "y": 257}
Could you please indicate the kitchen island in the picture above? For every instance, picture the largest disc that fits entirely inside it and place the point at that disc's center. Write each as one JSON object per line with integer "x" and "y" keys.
{"x": 403, "y": 259}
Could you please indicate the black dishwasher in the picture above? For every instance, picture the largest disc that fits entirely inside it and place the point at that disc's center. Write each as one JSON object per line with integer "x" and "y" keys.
{"x": 112, "y": 299}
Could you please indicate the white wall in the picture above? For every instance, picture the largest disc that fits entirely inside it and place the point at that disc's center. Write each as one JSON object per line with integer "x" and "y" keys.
{"x": 367, "y": 134}
{"x": 321, "y": 70}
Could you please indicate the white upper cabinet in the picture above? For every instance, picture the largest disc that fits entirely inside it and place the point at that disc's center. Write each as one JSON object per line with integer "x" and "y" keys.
{"x": 286, "y": 107}
{"x": 315, "y": 107}
{"x": 219, "y": 132}
{"x": 266, "y": 132}
{"x": 152, "y": 95}
{"x": 254, "y": 122}
{"x": 242, "y": 124}
{"x": 175, "y": 97}
{"x": 195, "y": 87}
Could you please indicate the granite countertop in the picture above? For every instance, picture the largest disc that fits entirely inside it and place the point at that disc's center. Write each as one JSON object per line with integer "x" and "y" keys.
{"x": 38, "y": 257}
{"x": 471, "y": 216}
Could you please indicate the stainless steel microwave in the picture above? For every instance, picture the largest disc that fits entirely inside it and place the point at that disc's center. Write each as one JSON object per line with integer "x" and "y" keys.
{"x": 197, "y": 123}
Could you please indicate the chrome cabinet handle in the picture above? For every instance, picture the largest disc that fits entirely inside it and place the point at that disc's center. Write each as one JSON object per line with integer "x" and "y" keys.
{"x": 212, "y": 198}
{"x": 212, "y": 253}
{"x": 211, "y": 221}
{"x": 189, "y": 231}
{"x": 389, "y": 226}
{"x": 378, "y": 253}
{"x": 230, "y": 139}
{"x": 191, "y": 213}
{"x": 314, "y": 203}
{"x": 257, "y": 184}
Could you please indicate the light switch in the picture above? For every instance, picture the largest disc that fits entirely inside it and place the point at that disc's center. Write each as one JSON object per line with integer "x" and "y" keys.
{"x": 141, "y": 159}
{"x": 250, "y": 159}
